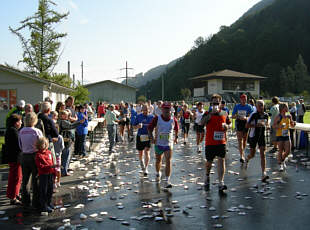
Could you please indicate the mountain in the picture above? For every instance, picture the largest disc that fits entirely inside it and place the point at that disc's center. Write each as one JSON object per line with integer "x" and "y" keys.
{"x": 154, "y": 73}
{"x": 264, "y": 43}
{"x": 258, "y": 7}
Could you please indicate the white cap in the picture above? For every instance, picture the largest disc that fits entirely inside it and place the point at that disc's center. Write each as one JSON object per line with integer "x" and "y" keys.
{"x": 21, "y": 103}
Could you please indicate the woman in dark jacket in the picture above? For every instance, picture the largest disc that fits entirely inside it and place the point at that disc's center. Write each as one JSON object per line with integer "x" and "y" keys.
{"x": 13, "y": 152}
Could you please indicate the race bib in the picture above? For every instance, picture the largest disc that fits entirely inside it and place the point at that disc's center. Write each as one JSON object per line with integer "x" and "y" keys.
{"x": 242, "y": 113}
{"x": 187, "y": 121}
{"x": 261, "y": 121}
{"x": 164, "y": 136}
{"x": 144, "y": 138}
{"x": 219, "y": 136}
{"x": 285, "y": 132}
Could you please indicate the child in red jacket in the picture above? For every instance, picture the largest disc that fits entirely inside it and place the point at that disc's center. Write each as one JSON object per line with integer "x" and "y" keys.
{"x": 46, "y": 171}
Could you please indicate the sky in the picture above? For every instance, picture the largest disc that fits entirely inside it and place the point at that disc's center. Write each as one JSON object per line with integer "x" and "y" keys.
{"x": 104, "y": 34}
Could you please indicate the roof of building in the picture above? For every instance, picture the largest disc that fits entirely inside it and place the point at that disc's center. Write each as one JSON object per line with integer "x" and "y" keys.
{"x": 113, "y": 82}
{"x": 227, "y": 73}
{"x": 32, "y": 77}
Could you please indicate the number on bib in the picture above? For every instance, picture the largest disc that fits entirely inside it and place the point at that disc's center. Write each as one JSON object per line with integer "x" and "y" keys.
{"x": 285, "y": 132}
{"x": 219, "y": 136}
{"x": 187, "y": 121}
{"x": 144, "y": 138}
{"x": 164, "y": 136}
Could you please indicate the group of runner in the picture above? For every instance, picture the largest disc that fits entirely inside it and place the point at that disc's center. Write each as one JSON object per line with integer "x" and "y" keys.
{"x": 161, "y": 128}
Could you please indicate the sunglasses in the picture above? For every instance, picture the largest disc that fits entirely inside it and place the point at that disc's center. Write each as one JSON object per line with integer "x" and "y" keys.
{"x": 215, "y": 103}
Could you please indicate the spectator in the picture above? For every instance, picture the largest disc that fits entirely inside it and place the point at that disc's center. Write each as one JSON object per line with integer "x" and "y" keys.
{"x": 18, "y": 109}
{"x": 60, "y": 106}
{"x": 111, "y": 122}
{"x": 274, "y": 111}
{"x": 46, "y": 171}
{"x": 101, "y": 110}
{"x": 28, "y": 137}
{"x": 65, "y": 127}
{"x": 293, "y": 111}
{"x": 13, "y": 151}
{"x": 82, "y": 131}
{"x": 301, "y": 110}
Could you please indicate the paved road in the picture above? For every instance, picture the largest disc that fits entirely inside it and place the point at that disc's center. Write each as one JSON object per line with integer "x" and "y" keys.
{"x": 132, "y": 199}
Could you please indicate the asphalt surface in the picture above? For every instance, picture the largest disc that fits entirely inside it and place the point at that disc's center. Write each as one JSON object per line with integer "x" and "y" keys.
{"x": 114, "y": 195}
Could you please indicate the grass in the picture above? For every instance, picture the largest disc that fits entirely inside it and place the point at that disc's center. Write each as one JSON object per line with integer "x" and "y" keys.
{"x": 307, "y": 118}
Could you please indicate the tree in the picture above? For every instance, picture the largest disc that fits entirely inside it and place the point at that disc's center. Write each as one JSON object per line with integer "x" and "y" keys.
{"x": 41, "y": 50}
{"x": 186, "y": 93}
{"x": 301, "y": 74}
{"x": 80, "y": 94}
{"x": 141, "y": 98}
{"x": 198, "y": 42}
{"x": 62, "y": 79}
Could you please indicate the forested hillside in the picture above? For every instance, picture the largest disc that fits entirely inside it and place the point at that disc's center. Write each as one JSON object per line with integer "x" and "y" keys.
{"x": 264, "y": 43}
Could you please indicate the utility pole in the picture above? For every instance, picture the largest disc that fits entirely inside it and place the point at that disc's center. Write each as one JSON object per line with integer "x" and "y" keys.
{"x": 126, "y": 68}
{"x": 162, "y": 87}
{"x": 82, "y": 72}
{"x": 69, "y": 69}
{"x": 73, "y": 77}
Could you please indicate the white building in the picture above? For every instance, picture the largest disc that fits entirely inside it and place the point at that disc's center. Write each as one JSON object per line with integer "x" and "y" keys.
{"x": 16, "y": 85}
{"x": 226, "y": 82}
{"x": 111, "y": 92}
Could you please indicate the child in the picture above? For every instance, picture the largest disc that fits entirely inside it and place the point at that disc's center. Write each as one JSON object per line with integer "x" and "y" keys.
{"x": 65, "y": 130}
{"x": 82, "y": 131}
{"x": 46, "y": 171}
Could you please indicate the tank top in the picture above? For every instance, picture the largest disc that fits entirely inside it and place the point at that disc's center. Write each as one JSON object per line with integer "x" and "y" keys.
{"x": 284, "y": 124}
{"x": 215, "y": 134}
{"x": 199, "y": 115}
{"x": 164, "y": 132}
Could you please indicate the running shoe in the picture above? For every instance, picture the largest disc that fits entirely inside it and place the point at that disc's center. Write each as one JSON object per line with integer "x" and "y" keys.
{"x": 241, "y": 160}
{"x": 222, "y": 187}
{"x": 284, "y": 164}
{"x": 168, "y": 184}
{"x": 265, "y": 177}
{"x": 281, "y": 169}
{"x": 145, "y": 172}
{"x": 246, "y": 164}
{"x": 158, "y": 176}
{"x": 207, "y": 181}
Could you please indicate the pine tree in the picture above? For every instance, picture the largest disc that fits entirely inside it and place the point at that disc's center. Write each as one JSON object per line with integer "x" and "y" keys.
{"x": 301, "y": 74}
{"x": 41, "y": 50}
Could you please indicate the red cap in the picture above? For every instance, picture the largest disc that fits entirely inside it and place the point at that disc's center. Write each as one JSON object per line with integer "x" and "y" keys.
{"x": 243, "y": 96}
{"x": 166, "y": 105}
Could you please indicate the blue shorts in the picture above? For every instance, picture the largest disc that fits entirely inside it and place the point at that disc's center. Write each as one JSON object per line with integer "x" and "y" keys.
{"x": 161, "y": 149}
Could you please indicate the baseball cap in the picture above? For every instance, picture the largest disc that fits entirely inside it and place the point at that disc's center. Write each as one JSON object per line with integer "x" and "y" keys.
{"x": 48, "y": 99}
{"x": 166, "y": 105}
{"x": 243, "y": 96}
{"x": 21, "y": 103}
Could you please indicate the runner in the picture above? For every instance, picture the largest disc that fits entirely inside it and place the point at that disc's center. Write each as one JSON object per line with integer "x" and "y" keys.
{"x": 217, "y": 123}
{"x": 164, "y": 126}
{"x": 198, "y": 128}
{"x": 274, "y": 111}
{"x": 281, "y": 124}
{"x": 257, "y": 123}
{"x": 241, "y": 112}
{"x": 143, "y": 142}
{"x": 185, "y": 115}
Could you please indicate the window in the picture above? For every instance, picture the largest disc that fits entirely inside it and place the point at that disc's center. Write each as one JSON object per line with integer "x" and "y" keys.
{"x": 7, "y": 98}
{"x": 238, "y": 85}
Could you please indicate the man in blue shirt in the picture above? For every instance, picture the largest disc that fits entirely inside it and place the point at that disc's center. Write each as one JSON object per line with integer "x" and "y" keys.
{"x": 241, "y": 113}
{"x": 143, "y": 143}
{"x": 133, "y": 115}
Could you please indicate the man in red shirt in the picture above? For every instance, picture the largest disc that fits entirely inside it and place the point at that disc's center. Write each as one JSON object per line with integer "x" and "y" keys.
{"x": 101, "y": 110}
{"x": 217, "y": 122}
{"x": 164, "y": 126}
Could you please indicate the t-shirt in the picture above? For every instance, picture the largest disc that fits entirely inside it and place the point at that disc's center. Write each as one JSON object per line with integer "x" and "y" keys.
{"x": 254, "y": 119}
{"x": 28, "y": 137}
{"x": 242, "y": 110}
{"x": 145, "y": 120}
{"x": 274, "y": 110}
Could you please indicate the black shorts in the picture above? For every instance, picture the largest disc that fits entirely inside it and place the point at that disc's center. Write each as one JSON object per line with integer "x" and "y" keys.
{"x": 240, "y": 126}
{"x": 142, "y": 145}
{"x": 185, "y": 127}
{"x": 123, "y": 123}
{"x": 199, "y": 128}
{"x": 212, "y": 151}
{"x": 261, "y": 141}
{"x": 281, "y": 138}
